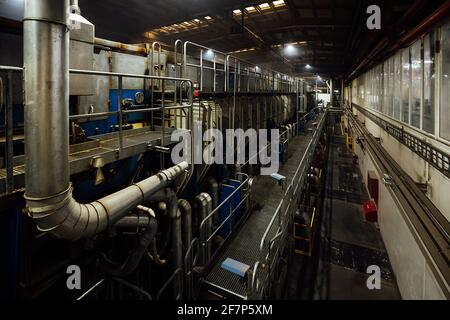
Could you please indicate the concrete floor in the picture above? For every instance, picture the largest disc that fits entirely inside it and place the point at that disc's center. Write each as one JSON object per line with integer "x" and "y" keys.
{"x": 347, "y": 244}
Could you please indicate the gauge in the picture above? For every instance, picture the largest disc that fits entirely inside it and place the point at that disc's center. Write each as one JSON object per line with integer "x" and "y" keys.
{"x": 139, "y": 97}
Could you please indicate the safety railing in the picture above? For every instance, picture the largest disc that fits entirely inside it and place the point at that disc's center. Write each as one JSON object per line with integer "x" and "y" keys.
{"x": 212, "y": 64}
{"x": 277, "y": 232}
{"x": 285, "y": 137}
{"x": 245, "y": 77}
{"x": 6, "y": 100}
{"x": 120, "y": 113}
{"x": 207, "y": 234}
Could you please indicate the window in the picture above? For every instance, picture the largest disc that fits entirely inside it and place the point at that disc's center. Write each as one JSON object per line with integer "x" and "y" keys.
{"x": 397, "y": 85}
{"x": 390, "y": 104}
{"x": 416, "y": 83}
{"x": 385, "y": 108}
{"x": 406, "y": 84}
{"x": 429, "y": 84}
{"x": 445, "y": 83}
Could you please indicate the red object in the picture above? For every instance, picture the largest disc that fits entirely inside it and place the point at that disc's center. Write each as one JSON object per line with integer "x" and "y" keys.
{"x": 373, "y": 185}
{"x": 196, "y": 93}
{"x": 370, "y": 211}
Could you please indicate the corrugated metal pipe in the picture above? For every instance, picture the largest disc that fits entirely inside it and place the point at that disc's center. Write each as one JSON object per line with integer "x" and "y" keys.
{"x": 48, "y": 189}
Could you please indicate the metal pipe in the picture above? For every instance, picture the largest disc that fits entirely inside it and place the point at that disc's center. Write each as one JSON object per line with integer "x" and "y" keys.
{"x": 204, "y": 208}
{"x": 214, "y": 189}
{"x": 135, "y": 257}
{"x": 48, "y": 189}
{"x": 186, "y": 214}
{"x": 170, "y": 198}
{"x": 120, "y": 46}
{"x": 74, "y": 7}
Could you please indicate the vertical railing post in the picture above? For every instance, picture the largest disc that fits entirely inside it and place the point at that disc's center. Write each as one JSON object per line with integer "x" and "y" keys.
{"x": 163, "y": 111}
{"x": 215, "y": 74}
{"x": 9, "y": 122}
{"x": 201, "y": 70}
{"x": 120, "y": 113}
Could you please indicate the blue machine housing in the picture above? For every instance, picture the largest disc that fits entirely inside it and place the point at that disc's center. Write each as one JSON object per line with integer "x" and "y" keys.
{"x": 227, "y": 188}
{"x": 98, "y": 127}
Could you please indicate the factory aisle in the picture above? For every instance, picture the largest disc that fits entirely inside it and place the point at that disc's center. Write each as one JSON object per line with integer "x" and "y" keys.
{"x": 346, "y": 244}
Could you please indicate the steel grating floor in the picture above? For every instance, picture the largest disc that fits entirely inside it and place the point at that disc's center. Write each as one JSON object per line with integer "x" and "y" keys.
{"x": 244, "y": 247}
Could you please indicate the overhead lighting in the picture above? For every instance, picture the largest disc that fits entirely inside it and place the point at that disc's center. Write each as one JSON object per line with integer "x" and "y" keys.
{"x": 278, "y": 3}
{"x": 290, "y": 50}
{"x": 197, "y": 20}
{"x": 208, "y": 18}
{"x": 264, "y": 6}
{"x": 250, "y": 9}
{"x": 237, "y": 12}
{"x": 308, "y": 66}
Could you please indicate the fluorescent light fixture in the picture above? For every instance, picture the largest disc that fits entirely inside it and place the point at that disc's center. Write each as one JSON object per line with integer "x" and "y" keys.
{"x": 237, "y": 12}
{"x": 264, "y": 6}
{"x": 250, "y": 9}
{"x": 278, "y": 3}
{"x": 197, "y": 20}
{"x": 208, "y": 18}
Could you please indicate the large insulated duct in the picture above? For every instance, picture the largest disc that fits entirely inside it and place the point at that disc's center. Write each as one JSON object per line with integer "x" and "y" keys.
{"x": 170, "y": 198}
{"x": 48, "y": 189}
{"x": 214, "y": 189}
{"x": 204, "y": 208}
{"x": 186, "y": 216}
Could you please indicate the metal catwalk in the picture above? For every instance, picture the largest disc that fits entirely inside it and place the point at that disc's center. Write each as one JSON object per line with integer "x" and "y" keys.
{"x": 245, "y": 247}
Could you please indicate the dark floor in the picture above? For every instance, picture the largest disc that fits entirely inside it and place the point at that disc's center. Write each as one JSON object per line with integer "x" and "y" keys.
{"x": 347, "y": 244}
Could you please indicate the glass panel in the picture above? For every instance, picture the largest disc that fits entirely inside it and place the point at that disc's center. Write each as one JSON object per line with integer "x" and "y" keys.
{"x": 397, "y": 88}
{"x": 385, "y": 86}
{"x": 445, "y": 83}
{"x": 429, "y": 83}
{"x": 406, "y": 84}
{"x": 390, "y": 104}
{"x": 416, "y": 84}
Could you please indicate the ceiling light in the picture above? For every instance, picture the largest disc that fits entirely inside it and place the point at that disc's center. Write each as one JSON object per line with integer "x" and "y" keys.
{"x": 197, "y": 20}
{"x": 237, "y": 12}
{"x": 264, "y": 6}
{"x": 250, "y": 9}
{"x": 308, "y": 66}
{"x": 208, "y": 18}
{"x": 290, "y": 50}
{"x": 278, "y": 3}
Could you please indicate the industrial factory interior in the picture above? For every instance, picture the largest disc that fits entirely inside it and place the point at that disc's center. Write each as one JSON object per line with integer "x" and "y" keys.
{"x": 224, "y": 150}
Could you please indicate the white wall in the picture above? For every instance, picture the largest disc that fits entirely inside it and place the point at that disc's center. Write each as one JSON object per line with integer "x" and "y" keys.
{"x": 416, "y": 167}
{"x": 414, "y": 277}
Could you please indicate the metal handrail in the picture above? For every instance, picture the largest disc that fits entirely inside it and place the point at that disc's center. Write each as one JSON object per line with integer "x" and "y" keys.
{"x": 293, "y": 189}
{"x": 204, "y": 240}
{"x": 120, "y": 111}
{"x": 201, "y": 66}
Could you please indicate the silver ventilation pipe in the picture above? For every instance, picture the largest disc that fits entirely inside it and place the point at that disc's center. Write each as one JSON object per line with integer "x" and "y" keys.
{"x": 186, "y": 216}
{"x": 74, "y": 7}
{"x": 48, "y": 189}
{"x": 203, "y": 204}
{"x": 214, "y": 189}
{"x": 170, "y": 198}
